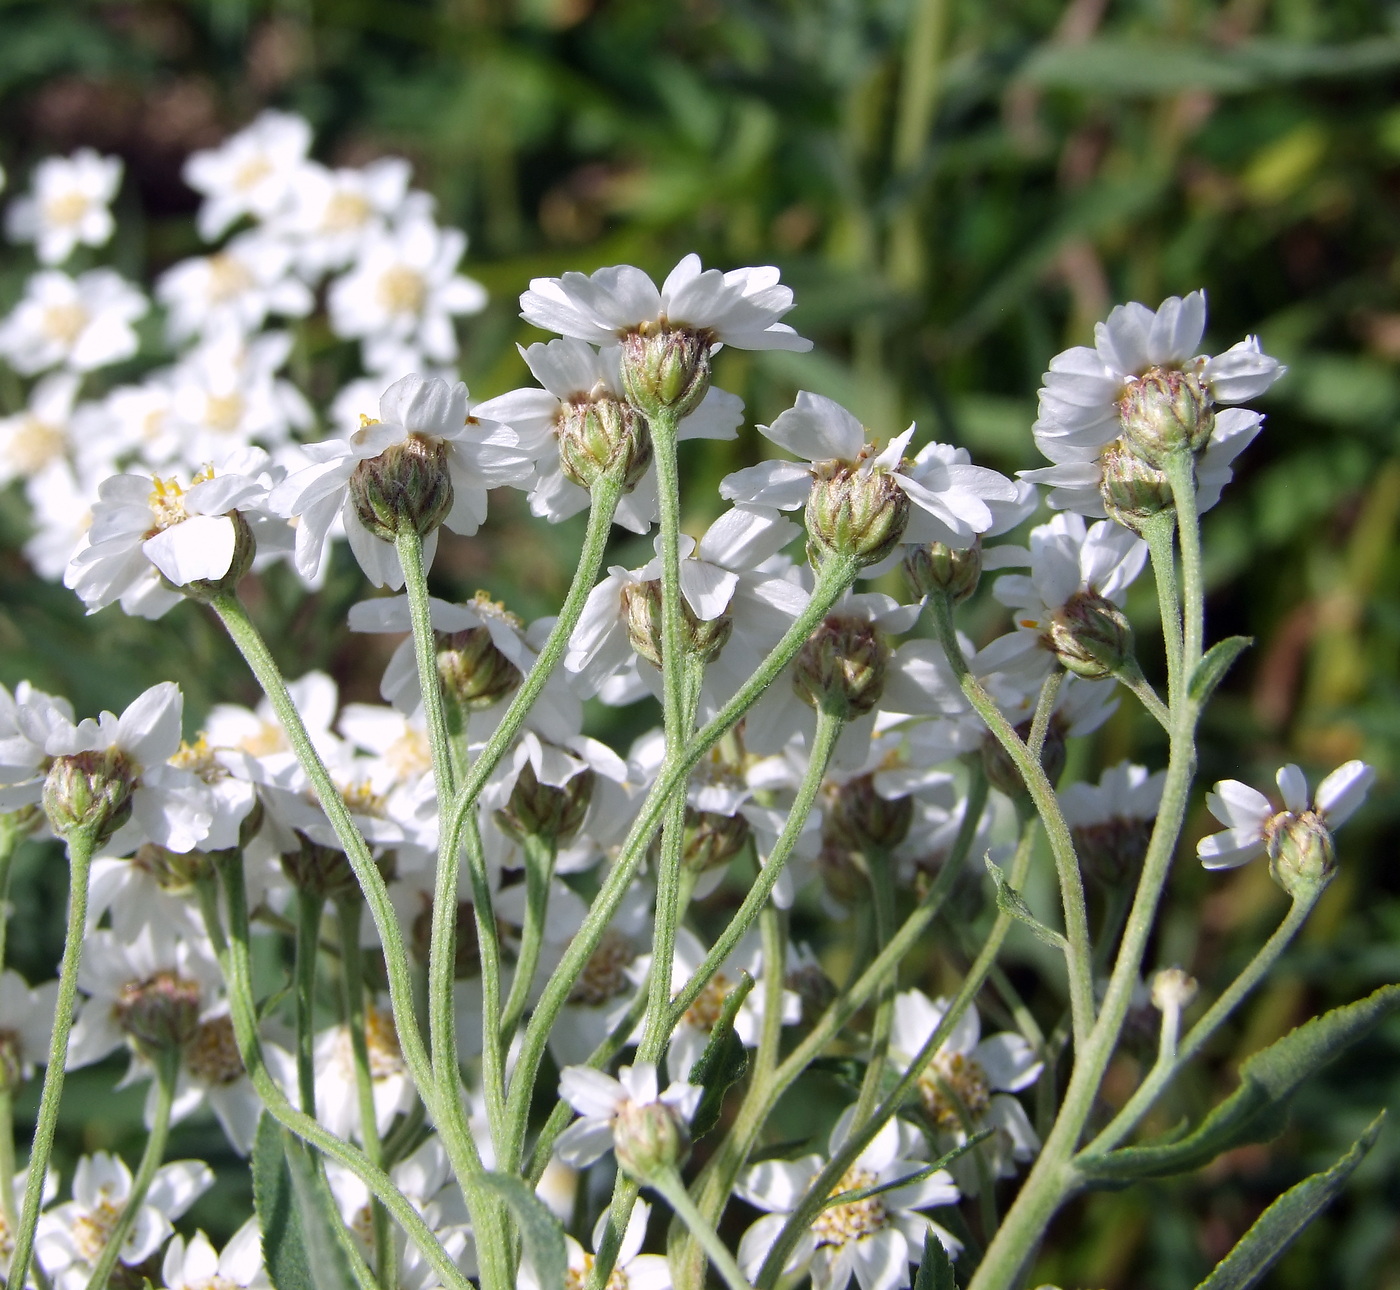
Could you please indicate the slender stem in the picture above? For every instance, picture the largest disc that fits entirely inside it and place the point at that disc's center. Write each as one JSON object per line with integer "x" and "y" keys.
{"x": 1044, "y": 710}
{"x": 81, "y": 844}
{"x": 347, "y": 917}
{"x": 259, "y": 658}
{"x": 1131, "y": 676}
{"x": 10, "y": 837}
{"x": 669, "y": 1184}
{"x": 772, "y": 926}
{"x": 880, "y": 867}
{"x": 624, "y": 1196}
{"x": 409, "y": 546}
{"x": 539, "y": 872}
{"x": 167, "y": 1064}
{"x": 1181, "y": 470}
{"x": 1170, "y": 1064}
{"x": 235, "y": 963}
{"x": 1159, "y": 532}
{"x": 841, "y": 1160}
{"x": 309, "y": 907}
{"x": 1042, "y": 792}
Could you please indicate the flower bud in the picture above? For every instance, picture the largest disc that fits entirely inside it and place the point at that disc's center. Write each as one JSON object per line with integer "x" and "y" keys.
{"x": 173, "y": 871}
{"x": 649, "y": 1139}
{"x": 712, "y": 839}
{"x": 1166, "y": 411}
{"x": 544, "y": 811}
{"x": 1112, "y": 851}
{"x": 1302, "y": 855}
{"x": 245, "y": 547}
{"x": 406, "y": 487}
{"x": 702, "y": 638}
{"x": 1091, "y": 636}
{"x": 160, "y": 1013}
{"x": 1132, "y": 491}
{"x": 843, "y": 873}
{"x": 11, "y": 1061}
{"x": 1173, "y": 989}
{"x": 89, "y": 791}
{"x": 860, "y": 818}
{"x": 473, "y": 670}
{"x": 666, "y": 369}
{"x": 212, "y": 1056}
{"x": 813, "y": 987}
{"x": 326, "y": 871}
{"x": 937, "y": 567}
{"x": 466, "y": 961}
{"x": 598, "y": 433}
{"x": 855, "y": 512}
{"x": 1001, "y": 771}
{"x": 840, "y": 669}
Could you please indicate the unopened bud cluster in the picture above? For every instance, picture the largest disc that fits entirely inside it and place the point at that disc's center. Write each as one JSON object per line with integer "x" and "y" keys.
{"x": 856, "y": 512}
{"x": 938, "y": 569}
{"x": 1091, "y": 637}
{"x": 600, "y": 433}
{"x": 546, "y": 810}
{"x": 840, "y": 670}
{"x": 702, "y": 638}
{"x": 665, "y": 369}
{"x": 89, "y": 792}
{"x": 1302, "y": 854}
{"x": 474, "y": 672}
{"x": 406, "y": 488}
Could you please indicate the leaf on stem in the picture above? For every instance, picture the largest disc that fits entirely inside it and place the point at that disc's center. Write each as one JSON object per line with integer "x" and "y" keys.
{"x": 1210, "y": 671}
{"x": 1011, "y": 902}
{"x": 1281, "y": 1224}
{"x": 864, "y": 1193}
{"x": 722, "y": 1064}
{"x": 540, "y": 1232}
{"x": 935, "y": 1267}
{"x": 1254, "y": 1112}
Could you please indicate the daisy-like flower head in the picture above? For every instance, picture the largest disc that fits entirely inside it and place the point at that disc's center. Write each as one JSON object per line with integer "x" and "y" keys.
{"x": 1141, "y": 394}
{"x": 967, "y": 1086}
{"x": 250, "y": 173}
{"x": 26, "y": 1022}
{"x": 237, "y": 287}
{"x": 1112, "y": 820}
{"x": 67, "y": 204}
{"x": 196, "y": 1265}
{"x": 426, "y": 461}
{"x": 80, "y": 323}
{"x": 863, "y": 500}
{"x": 1297, "y": 838}
{"x": 151, "y": 535}
{"x": 667, "y": 336}
{"x": 647, "y": 1128}
{"x": 874, "y": 1238}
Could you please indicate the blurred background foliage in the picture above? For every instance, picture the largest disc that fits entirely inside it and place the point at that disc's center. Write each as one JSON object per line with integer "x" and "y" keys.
{"x": 956, "y": 190}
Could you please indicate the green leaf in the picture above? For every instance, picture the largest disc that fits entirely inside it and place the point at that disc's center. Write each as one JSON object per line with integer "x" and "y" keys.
{"x": 935, "y": 1268}
{"x": 331, "y": 1257}
{"x": 1255, "y": 1111}
{"x": 1210, "y": 671}
{"x": 864, "y": 1193}
{"x": 1010, "y": 901}
{"x": 722, "y": 1064}
{"x": 541, "y": 1233}
{"x": 1279, "y": 1225}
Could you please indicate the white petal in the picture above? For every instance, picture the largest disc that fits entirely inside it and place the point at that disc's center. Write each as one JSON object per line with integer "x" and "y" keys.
{"x": 1343, "y": 791}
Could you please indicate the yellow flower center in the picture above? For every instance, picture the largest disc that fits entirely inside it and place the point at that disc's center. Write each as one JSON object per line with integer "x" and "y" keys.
{"x": 402, "y": 290}
{"x": 66, "y": 208}
{"x": 198, "y": 758}
{"x": 605, "y": 976}
{"x": 167, "y": 500}
{"x": 409, "y": 755}
{"x": 92, "y": 1231}
{"x": 64, "y": 323}
{"x": 577, "y": 1278}
{"x": 382, "y": 1040}
{"x": 361, "y": 798}
{"x": 953, "y": 1086}
{"x": 35, "y": 445}
{"x": 705, "y": 1012}
{"x": 345, "y": 211}
{"x": 854, "y": 1219}
{"x": 224, "y": 412}
{"x": 212, "y": 1055}
{"x": 227, "y": 277}
{"x": 252, "y": 172}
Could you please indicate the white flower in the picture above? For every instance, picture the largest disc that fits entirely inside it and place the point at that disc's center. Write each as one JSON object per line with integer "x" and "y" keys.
{"x": 575, "y": 375}
{"x": 67, "y": 204}
{"x": 81, "y": 323}
{"x": 337, "y": 1093}
{"x": 146, "y": 530}
{"x": 601, "y": 1100}
{"x": 198, "y": 1266}
{"x": 479, "y": 455}
{"x": 739, "y": 308}
{"x": 236, "y": 287}
{"x": 875, "y": 1238}
{"x": 402, "y": 292}
{"x": 966, "y": 1086}
{"x": 1253, "y": 824}
{"x": 633, "y": 1270}
{"x": 71, "y": 1237}
{"x": 36, "y": 444}
{"x": 952, "y": 500}
{"x": 26, "y": 1023}
{"x": 250, "y": 173}
{"x": 29, "y": 719}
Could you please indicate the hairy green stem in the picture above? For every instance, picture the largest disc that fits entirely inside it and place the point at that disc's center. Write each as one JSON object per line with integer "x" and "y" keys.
{"x": 880, "y": 866}
{"x": 308, "y": 938}
{"x": 672, "y": 1189}
{"x": 539, "y": 873}
{"x": 1159, "y": 532}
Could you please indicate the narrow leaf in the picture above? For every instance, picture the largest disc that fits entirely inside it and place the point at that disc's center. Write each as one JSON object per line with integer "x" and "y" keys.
{"x": 1279, "y": 1225}
{"x": 864, "y": 1193}
{"x": 1010, "y": 901}
{"x": 284, "y": 1250}
{"x": 722, "y": 1064}
{"x": 935, "y": 1267}
{"x": 541, "y": 1233}
{"x": 1218, "y": 660}
{"x": 331, "y": 1257}
{"x": 1255, "y": 1111}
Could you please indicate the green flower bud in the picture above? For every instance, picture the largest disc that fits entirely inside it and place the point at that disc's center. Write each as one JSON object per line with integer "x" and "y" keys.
{"x": 1166, "y": 411}
{"x": 326, "y": 871}
{"x": 1001, "y": 771}
{"x": 855, "y": 512}
{"x": 843, "y": 873}
{"x": 173, "y": 871}
{"x": 641, "y": 601}
{"x": 841, "y": 667}
{"x": 474, "y": 672}
{"x": 12, "y": 1061}
{"x": 90, "y": 791}
{"x": 666, "y": 369}
{"x": 1132, "y": 491}
{"x": 406, "y": 487}
{"x": 1112, "y": 851}
{"x": 1091, "y": 637}
{"x": 649, "y": 1139}
{"x": 245, "y": 547}
{"x": 160, "y": 1013}
{"x": 937, "y": 567}
{"x": 1302, "y": 855}
{"x": 712, "y": 840}
{"x": 544, "y": 811}
{"x": 857, "y": 816}
{"x": 212, "y": 1056}
{"x": 597, "y": 433}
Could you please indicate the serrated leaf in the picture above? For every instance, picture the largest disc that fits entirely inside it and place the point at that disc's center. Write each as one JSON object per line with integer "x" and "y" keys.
{"x": 540, "y": 1232}
{"x": 935, "y": 1267}
{"x": 722, "y": 1064}
{"x": 1210, "y": 671}
{"x": 1254, "y": 1112}
{"x": 1010, "y": 901}
{"x": 1280, "y": 1225}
